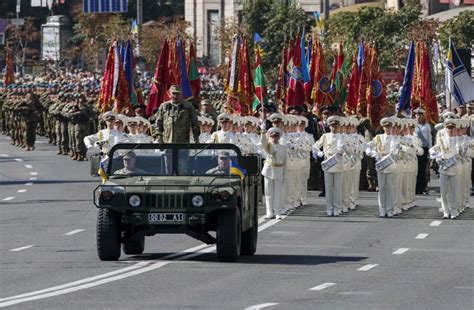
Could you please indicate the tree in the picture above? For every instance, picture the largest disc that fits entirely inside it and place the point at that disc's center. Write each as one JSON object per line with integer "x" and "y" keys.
{"x": 460, "y": 29}
{"x": 24, "y": 40}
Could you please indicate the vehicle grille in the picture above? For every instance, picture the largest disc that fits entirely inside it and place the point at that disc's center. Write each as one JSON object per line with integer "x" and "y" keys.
{"x": 166, "y": 201}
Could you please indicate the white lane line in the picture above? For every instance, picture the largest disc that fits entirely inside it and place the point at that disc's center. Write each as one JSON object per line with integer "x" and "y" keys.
{"x": 261, "y": 306}
{"x": 4, "y": 155}
{"x": 73, "y": 232}
{"x": 28, "y": 166}
{"x": 32, "y": 179}
{"x": 400, "y": 251}
{"x": 18, "y": 159}
{"x": 94, "y": 278}
{"x": 322, "y": 286}
{"x": 436, "y": 223}
{"x": 108, "y": 277}
{"x": 21, "y": 191}
{"x": 29, "y": 183}
{"x": 22, "y": 248}
{"x": 438, "y": 199}
{"x": 367, "y": 267}
{"x": 34, "y": 173}
{"x": 421, "y": 236}
{"x": 8, "y": 198}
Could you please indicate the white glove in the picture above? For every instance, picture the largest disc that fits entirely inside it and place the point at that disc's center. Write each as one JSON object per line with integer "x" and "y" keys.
{"x": 320, "y": 154}
{"x": 263, "y": 125}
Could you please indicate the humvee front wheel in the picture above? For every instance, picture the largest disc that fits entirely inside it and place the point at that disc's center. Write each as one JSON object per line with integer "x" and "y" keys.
{"x": 134, "y": 246}
{"x": 229, "y": 233}
{"x": 108, "y": 234}
{"x": 249, "y": 238}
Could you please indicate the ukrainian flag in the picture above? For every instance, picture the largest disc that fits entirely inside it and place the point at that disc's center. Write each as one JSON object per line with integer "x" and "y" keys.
{"x": 237, "y": 170}
{"x": 101, "y": 172}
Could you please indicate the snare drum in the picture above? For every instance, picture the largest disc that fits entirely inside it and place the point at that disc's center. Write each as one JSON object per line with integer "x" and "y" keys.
{"x": 384, "y": 163}
{"x": 330, "y": 162}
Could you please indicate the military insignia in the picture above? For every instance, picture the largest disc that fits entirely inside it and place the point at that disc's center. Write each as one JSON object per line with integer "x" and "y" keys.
{"x": 376, "y": 88}
{"x": 325, "y": 85}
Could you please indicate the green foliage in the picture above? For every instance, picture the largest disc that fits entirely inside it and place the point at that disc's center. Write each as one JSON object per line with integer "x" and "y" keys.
{"x": 460, "y": 29}
{"x": 387, "y": 30}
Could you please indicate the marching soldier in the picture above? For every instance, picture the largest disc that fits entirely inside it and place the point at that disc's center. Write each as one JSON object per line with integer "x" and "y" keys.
{"x": 224, "y": 134}
{"x": 333, "y": 150}
{"x": 423, "y": 132}
{"x": 274, "y": 170}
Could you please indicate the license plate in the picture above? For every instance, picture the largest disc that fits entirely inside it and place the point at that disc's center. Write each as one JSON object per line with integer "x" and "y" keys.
{"x": 165, "y": 217}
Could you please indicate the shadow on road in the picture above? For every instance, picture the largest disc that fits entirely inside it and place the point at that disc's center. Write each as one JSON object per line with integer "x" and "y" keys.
{"x": 39, "y": 182}
{"x": 264, "y": 259}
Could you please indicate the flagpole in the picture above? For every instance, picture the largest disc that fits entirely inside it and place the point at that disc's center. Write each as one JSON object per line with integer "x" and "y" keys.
{"x": 139, "y": 24}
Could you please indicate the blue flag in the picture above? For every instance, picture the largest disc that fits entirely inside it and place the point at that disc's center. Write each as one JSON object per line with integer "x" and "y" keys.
{"x": 304, "y": 62}
{"x": 405, "y": 94}
{"x": 127, "y": 66}
{"x": 256, "y": 37}
{"x": 360, "y": 57}
{"x": 458, "y": 82}
{"x": 185, "y": 85}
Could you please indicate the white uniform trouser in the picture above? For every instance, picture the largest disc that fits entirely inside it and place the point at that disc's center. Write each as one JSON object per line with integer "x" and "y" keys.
{"x": 449, "y": 193}
{"x": 304, "y": 182}
{"x": 333, "y": 185}
{"x": 397, "y": 207}
{"x": 273, "y": 196}
{"x": 387, "y": 192}
{"x": 405, "y": 192}
{"x": 355, "y": 185}
{"x": 347, "y": 180}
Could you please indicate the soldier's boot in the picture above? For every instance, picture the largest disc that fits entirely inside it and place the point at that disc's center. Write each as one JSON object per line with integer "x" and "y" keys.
{"x": 76, "y": 156}
{"x": 72, "y": 154}
{"x": 80, "y": 157}
{"x": 29, "y": 148}
{"x": 65, "y": 151}
{"x": 60, "y": 151}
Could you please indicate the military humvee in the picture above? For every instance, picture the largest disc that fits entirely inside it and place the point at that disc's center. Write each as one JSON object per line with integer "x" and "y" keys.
{"x": 191, "y": 189}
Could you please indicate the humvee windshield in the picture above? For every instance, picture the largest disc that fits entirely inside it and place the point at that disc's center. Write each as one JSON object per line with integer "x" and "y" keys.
{"x": 199, "y": 161}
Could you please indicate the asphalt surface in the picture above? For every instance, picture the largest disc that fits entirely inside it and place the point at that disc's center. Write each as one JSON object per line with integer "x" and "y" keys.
{"x": 305, "y": 261}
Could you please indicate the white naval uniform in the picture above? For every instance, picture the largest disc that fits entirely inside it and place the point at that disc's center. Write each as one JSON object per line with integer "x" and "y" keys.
{"x": 379, "y": 147}
{"x": 222, "y": 136}
{"x": 274, "y": 173}
{"x": 445, "y": 148}
{"x": 359, "y": 145}
{"x": 306, "y": 141}
{"x": 107, "y": 137}
{"x": 332, "y": 144}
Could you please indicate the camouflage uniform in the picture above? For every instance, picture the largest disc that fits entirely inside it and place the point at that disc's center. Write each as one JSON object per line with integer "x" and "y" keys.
{"x": 174, "y": 122}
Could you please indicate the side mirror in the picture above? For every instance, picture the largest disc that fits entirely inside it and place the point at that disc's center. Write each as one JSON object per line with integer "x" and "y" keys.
{"x": 94, "y": 161}
{"x": 252, "y": 163}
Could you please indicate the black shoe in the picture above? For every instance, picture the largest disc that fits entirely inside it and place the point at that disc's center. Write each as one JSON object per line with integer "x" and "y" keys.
{"x": 322, "y": 194}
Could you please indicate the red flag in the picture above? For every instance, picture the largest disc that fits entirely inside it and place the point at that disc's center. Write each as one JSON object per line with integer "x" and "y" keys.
{"x": 321, "y": 93}
{"x": 282, "y": 78}
{"x": 353, "y": 95}
{"x": 193, "y": 73}
{"x": 376, "y": 100}
{"x": 159, "y": 88}
{"x": 415, "y": 86}
{"x": 9, "y": 77}
{"x": 364, "y": 83}
{"x": 246, "y": 86}
{"x": 106, "y": 87}
{"x": 427, "y": 97}
{"x": 295, "y": 93}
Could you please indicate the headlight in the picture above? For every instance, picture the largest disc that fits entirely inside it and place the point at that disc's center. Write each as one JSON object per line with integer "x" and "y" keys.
{"x": 197, "y": 201}
{"x": 134, "y": 200}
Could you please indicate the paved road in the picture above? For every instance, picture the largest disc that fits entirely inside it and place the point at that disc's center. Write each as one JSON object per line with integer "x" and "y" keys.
{"x": 306, "y": 261}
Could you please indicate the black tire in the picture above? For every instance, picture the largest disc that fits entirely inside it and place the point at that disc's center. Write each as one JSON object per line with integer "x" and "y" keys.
{"x": 108, "y": 235}
{"x": 249, "y": 239}
{"x": 134, "y": 246}
{"x": 229, "y": 234}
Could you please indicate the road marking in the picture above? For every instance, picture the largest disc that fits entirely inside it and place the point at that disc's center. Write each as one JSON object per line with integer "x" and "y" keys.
{"x": 28, "y": 166}
{"x": 32, "y": 179}
{"x": 322, "y": 286}
{"x": 261, "y": 306}
{"x": 116, "y": 275}
{"x": 34, "y": 173}
{"x": 421, "y": 236}
{"x": 436, "y": 223}
{"x": 8, "y": 198}
{"x": 21, "y": 191}
{"x": 4, "y": 155}
{"x": 18, "y": 159}
{"x": 22, "y": 248}
{"x": 73, "y": 232}
{"x": 400, "y": 251}
{"x": 367, "y": 267}
{"x": 29, "y": 183}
